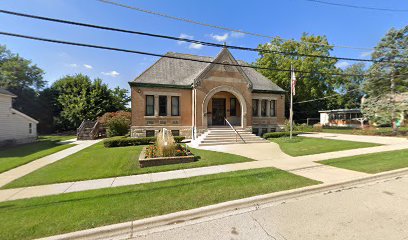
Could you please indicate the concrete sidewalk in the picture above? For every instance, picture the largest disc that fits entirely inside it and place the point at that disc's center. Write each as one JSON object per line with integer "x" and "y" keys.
{"x": 18, "y": 172}
{"x": 303, "y": 166}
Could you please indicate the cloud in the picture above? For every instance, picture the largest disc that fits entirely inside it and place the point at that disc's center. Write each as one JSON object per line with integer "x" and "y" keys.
{"x": 366, "y": 54}
{"x": 237, "y": 34}
{"x": 183, "y": 35}
{"x": 195, "y": 46}
{"x": 342, "y": 64}
{"x": 88, "y": 66}
{"x": 111, "y": 73}
{"x": 220, "y": 38}
{"x": 73, "y": 65}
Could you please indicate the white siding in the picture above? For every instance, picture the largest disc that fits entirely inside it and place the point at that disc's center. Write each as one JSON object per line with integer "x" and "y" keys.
{"x": 14, "y": 125}
{"x": 324, "y": 118}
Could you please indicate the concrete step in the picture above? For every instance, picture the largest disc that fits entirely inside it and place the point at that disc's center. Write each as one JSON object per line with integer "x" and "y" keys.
{"x": 225, "y": 143}
{"x": 231, "y": 137}
{"x": 233, "y": 141}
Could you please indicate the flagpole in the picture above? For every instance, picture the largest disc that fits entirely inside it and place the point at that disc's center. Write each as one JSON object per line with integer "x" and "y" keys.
{"x": 291, "y": 101}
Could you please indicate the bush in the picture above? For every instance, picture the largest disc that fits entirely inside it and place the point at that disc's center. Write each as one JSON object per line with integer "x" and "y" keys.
{"x": 317, "y": 127}
{"x": 116, "y": 123}
{"x": 126, "y": 141}
{"x": 279, "y": 134}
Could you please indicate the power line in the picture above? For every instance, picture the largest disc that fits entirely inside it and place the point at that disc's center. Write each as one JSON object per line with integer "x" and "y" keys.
{"x": 322, "y": 98}
{"x": 170, "y": 56}
{"x": 190, "y": 40}
{"x": 219, "y": 27}
{"x": 358, "y": 7}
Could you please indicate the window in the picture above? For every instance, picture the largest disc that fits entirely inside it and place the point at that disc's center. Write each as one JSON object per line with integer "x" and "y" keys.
{"x": 255, "y": 107}
{"x": 263, "y": 108}
{"x": 149, "y": 133}
{"x": 263, "y": 131}
{"x": 149, "y": 105}
{"x": 175, "y": 106}
{"x": 273, "y": 108}
{"x": 30, "y": 128}
{"x": 233, "y": 107}
{"x": 255, "y": 131}
{"x": 175, "y": 132}
{"x": 162, "y": 105}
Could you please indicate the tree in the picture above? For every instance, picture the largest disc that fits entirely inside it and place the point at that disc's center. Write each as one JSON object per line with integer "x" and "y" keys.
{"x": 350, "y": 87}
{"x": 309, "y": 85}
{"x": 25, "y": 79}
{"x": 386, "y": 78}
{"x": 80, "y": 99}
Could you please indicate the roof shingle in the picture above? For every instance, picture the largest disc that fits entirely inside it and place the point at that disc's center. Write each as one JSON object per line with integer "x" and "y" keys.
{"x": 170, "y": 71}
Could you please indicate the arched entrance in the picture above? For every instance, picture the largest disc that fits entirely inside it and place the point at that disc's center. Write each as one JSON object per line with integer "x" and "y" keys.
{"x": 224, "y": 102}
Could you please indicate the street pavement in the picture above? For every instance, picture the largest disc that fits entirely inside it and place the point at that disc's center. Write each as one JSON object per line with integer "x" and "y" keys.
{"x": 378, "y": 210}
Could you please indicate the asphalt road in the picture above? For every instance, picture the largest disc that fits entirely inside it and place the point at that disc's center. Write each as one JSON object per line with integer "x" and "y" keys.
{"x": 378, "y": 210}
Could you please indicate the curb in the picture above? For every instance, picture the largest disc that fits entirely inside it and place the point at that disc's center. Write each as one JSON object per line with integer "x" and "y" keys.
{"x": 128, "y": 229}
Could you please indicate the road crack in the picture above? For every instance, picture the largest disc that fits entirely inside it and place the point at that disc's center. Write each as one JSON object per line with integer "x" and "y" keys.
{"x": 262, "y": 227}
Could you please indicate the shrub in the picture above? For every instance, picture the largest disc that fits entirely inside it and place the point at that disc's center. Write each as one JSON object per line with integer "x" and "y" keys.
{"x": 126, "y": 141}
{"x": 279, "y": 134}
{"x": 317, "y": 127}
{"x": 116, "y": 123}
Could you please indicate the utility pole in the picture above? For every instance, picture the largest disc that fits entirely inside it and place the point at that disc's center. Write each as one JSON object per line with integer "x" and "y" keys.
{"x": 291, "y": 103}
{"x": 393, "y": 112}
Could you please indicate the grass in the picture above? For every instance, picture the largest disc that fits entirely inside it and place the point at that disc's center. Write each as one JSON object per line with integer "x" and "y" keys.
{"x": 13, "y": 157}
{"x": 300, "y": 146}
{"x": 45, "y": 216}
{"x": 100, "y": 162}
{"x": 373, "y": 162}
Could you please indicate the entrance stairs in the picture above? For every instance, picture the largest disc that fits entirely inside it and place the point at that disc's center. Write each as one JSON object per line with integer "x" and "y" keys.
{"x": 225, "y": 135}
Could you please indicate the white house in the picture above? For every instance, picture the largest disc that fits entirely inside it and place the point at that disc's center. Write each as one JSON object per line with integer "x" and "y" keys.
{"x": 341, "y": 118}
{"x": 15, "y": 126}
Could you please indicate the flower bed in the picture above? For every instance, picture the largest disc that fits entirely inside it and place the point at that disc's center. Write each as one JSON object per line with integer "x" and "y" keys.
{"x": 149, "y": 156}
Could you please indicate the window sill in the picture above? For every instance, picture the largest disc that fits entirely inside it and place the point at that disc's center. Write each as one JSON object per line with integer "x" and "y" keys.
{"x": 155, "y": 117}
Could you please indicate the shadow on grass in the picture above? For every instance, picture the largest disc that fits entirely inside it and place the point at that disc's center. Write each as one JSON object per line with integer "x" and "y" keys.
{"x": 27, "y": 149}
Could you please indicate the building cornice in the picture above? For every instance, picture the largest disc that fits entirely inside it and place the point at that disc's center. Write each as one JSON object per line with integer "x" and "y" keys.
{"x": 156, "y": 85}
{"x": 268, "y": 91}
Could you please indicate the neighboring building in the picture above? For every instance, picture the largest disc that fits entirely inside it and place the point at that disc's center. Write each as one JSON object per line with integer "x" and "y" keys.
{"x": 341, "y": 118}
{"x": 15, "y": 126}
{"x": 188, "y": 97}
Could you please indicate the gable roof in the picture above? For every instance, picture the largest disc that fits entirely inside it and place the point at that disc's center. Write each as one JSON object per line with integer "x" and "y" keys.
{"x": 182, "y": 73}
{"x": 5, "y": 92}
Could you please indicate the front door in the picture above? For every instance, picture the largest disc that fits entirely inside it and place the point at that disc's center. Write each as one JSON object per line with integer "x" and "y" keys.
{"x": 218, "y": 111}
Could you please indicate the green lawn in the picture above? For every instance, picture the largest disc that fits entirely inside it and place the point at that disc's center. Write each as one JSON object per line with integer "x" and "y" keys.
{"x": 100, "y": 162}
{"x": 16, "y": 156}
{"x": 44, "y": 216}
{"x": 300, "y": 146}
{"x": 373, "y": 162}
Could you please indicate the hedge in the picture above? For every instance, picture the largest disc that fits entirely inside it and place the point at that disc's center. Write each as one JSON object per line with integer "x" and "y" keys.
{"x": 126, "y": 141}
{"x": 279, "y": 134}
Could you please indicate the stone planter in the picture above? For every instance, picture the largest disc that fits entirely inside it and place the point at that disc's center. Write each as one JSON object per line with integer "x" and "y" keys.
{"x": 150, "y": 162}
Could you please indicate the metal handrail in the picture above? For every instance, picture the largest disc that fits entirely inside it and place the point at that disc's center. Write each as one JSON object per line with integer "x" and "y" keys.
{"x": 80, "y": 127}
{"x": 236, "y": 132}
{"x": 95, "y": 130}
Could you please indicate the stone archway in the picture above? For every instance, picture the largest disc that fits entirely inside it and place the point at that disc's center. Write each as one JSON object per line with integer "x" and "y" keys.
{"x": 231, "y": 90}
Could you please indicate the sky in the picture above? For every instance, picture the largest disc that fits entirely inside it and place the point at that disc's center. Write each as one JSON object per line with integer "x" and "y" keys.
{"x": 285, "y": 18}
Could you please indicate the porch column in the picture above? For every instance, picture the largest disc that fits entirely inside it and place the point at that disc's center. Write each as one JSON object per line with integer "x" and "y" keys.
{"x": 168, "y": 105}
{"x": 268, "y": 108}
{"x": 156, "y": 105}
{"x": 259, "y": 107}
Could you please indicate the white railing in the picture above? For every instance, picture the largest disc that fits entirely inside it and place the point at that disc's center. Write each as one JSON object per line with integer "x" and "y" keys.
{"x": 236, "y": 132}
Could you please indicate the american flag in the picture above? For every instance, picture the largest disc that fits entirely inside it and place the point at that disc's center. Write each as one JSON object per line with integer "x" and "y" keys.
{"x": 293, "y": 81}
